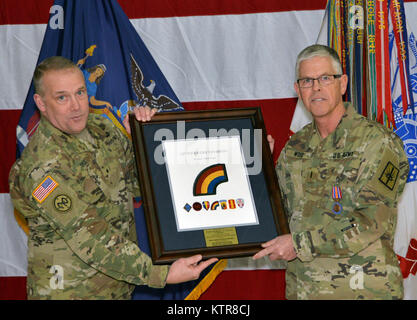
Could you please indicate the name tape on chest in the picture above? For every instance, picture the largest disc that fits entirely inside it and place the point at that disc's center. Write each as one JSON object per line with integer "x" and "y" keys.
{"x": 334, "y": 156}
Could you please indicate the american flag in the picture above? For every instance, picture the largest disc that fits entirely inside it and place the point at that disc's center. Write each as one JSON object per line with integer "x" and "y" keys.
{"x": 44, "y": 189}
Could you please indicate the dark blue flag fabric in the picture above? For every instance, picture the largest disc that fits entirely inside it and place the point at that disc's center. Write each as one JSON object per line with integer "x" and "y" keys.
{"x": 118, "y": 68}
{"x": 120, "y": 73}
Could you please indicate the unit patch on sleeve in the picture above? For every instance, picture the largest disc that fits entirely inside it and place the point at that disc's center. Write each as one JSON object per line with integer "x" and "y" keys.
{"x": 385, "y": 179}
{"x": 62, "y": 203}
{"x": 389, "y": 175}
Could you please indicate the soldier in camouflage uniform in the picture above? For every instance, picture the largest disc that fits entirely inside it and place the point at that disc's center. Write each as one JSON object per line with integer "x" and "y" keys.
{"x": 74, "y": 183}
{"x": 340, "y": 177}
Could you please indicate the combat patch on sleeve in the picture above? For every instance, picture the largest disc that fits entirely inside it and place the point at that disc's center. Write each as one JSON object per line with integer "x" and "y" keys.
{"x": 385, "y": 180}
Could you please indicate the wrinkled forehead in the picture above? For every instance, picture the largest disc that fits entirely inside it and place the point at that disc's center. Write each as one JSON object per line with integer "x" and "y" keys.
{"x": 60, "y": 79}
{"x": 316, "y": 66}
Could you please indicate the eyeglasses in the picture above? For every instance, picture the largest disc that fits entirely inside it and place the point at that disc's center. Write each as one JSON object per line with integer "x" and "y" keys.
{"x": 323, "y": 80}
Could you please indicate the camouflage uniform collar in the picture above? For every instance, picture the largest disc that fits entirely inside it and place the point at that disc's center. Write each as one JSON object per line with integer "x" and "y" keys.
{"x": 96, "y": 126}
{"x": 50, "y": 131}
{"x": 64, "y": 139}
{"x": 338, "y": 137}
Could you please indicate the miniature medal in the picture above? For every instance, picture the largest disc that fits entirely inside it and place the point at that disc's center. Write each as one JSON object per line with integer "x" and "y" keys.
{"x": 337, "y": 196}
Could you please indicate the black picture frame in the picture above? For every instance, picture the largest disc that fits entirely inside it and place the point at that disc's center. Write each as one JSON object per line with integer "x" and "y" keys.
{"x": 166, "y": 243}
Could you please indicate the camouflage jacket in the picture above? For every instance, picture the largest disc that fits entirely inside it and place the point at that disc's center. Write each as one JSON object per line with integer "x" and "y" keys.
{"x": 76, "y": 193}
{"x": 341, "y": 196}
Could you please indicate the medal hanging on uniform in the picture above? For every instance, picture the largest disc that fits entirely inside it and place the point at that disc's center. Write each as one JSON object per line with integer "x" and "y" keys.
{"x": 337, "y": 196}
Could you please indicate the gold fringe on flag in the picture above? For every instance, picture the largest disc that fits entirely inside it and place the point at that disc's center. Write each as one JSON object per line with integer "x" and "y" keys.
{"x": 206, "y": 282}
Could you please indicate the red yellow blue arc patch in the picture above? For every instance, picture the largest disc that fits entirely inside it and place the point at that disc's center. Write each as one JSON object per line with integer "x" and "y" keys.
{"x": 44, "y": 189}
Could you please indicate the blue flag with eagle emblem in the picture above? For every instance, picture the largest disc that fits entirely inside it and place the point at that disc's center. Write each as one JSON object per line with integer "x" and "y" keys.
{"x": 120, "y": 73}
{"x": 119, "y": 70}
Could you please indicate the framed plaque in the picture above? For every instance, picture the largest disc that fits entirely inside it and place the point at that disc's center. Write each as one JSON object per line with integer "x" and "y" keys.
{"x": 208, "y": 183}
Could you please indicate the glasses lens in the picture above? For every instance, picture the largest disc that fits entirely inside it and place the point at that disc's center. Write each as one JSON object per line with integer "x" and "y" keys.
{"x": 326, "y": 80}
{"x": 323, "y": 80}
{"x": 305, "y": 83}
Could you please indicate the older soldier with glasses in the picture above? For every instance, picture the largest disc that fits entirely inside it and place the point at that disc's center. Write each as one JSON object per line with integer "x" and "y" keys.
{"x": 340, "y": 177}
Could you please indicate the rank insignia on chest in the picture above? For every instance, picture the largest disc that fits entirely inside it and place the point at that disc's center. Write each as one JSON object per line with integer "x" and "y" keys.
{"x": 337, "y": 196}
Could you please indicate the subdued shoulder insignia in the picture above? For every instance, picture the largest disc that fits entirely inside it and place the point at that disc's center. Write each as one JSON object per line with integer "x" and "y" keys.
{"x": 386, "y": 177}
{"x": 62, "y": 203}
{"x": 44, "y": 189}
{"x": 389, "y": 176}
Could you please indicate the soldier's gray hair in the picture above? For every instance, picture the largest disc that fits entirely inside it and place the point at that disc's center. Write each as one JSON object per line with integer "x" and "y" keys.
{"x": 318, "y": 50}
{"x": 51, "y": 63}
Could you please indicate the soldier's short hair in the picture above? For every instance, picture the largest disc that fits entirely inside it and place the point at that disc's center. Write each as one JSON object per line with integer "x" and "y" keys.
{"x": 51, "y": 63}
{"x": 318, "y": 50}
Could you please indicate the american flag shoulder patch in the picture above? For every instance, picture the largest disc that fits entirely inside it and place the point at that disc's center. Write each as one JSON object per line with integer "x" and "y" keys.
{"x": 44, "y": 189}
